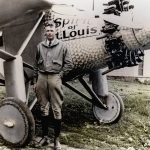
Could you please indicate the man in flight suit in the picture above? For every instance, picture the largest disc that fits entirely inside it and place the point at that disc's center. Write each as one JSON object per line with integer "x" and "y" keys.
{"x": 53, "y": 59}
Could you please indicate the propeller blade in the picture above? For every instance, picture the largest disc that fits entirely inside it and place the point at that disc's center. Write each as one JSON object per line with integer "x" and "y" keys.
{"x": 123, "y": 20}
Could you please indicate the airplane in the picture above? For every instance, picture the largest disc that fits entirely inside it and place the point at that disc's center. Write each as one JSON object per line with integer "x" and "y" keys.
{"x": 96, "y": 42}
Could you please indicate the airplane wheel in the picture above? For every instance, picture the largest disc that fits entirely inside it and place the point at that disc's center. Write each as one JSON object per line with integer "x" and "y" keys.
{"x": 114, "y": 112}
{"x": 17, "y": 125}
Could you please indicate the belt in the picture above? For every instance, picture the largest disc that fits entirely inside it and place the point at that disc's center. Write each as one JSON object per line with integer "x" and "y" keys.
{"x": 48, "y": 73}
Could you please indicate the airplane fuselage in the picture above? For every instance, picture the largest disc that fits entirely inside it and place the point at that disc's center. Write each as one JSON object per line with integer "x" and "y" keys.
{"x": 117, "y": 49}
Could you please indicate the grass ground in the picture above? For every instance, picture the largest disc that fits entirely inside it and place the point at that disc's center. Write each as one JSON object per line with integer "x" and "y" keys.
{"x": 81, "y": 130}
{"x": 131, "y": 131}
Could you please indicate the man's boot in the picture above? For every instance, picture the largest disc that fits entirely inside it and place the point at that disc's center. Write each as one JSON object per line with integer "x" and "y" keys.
{"x": 44, "y": 122}
{"x": 44, "y": 140}
{"x": 57, "y": 129}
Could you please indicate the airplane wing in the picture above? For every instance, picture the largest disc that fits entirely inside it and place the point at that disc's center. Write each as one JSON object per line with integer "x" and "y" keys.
{"x": 17, "y": 18}
{"x": 12, "y": 9}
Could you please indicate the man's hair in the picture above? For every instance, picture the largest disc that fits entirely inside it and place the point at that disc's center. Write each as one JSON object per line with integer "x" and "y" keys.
{"x": 49, "y": 23}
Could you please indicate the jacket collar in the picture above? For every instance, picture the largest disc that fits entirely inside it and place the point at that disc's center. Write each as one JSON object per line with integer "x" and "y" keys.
{"x": 54, "y": 42}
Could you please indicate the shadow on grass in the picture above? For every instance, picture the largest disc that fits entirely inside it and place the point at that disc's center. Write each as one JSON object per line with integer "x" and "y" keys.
{"x": 77, "y": 113}
{"x": 74, "y": 113}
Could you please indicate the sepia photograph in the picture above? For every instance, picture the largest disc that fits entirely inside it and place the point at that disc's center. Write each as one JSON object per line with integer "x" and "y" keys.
{"x": 74, "y": 75}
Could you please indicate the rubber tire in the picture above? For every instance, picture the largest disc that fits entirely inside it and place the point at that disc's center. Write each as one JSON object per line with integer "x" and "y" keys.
{"x": 121, "y": 111}
{"x": 27, "y": 115}
{"x": 121, "y": 107}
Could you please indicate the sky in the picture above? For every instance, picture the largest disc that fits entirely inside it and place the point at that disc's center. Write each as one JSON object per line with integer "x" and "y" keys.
{"x": 142, "y": 12}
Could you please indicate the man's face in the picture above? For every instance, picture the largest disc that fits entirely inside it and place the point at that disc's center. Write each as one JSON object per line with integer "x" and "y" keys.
{"x": 50, "y": 32}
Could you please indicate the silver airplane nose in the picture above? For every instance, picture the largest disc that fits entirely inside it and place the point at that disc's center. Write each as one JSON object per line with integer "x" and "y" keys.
{"x": 132, "y": 17}
{"x": 135, "y": 38}
{"x": 127, "y": 30}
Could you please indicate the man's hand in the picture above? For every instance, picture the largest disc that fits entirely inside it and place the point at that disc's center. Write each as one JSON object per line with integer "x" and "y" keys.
{"x": 61, "y": 74}
{"x": 34, "y": 87}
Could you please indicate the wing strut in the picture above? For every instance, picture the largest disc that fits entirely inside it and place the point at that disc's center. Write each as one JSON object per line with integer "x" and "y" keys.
{"x": 13, "y": 68}
{"x": 6, "y": 56}
{"x": 25, "y": 43}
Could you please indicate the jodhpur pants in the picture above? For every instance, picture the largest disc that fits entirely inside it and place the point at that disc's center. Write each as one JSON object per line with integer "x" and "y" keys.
{"x": 50, "y": 94}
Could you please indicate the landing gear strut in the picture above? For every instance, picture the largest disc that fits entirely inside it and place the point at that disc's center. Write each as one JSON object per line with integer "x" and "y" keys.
{"x": 108, "y": 107}
{"x": 17, "y": 124}
{"x": 114, "y": 103}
